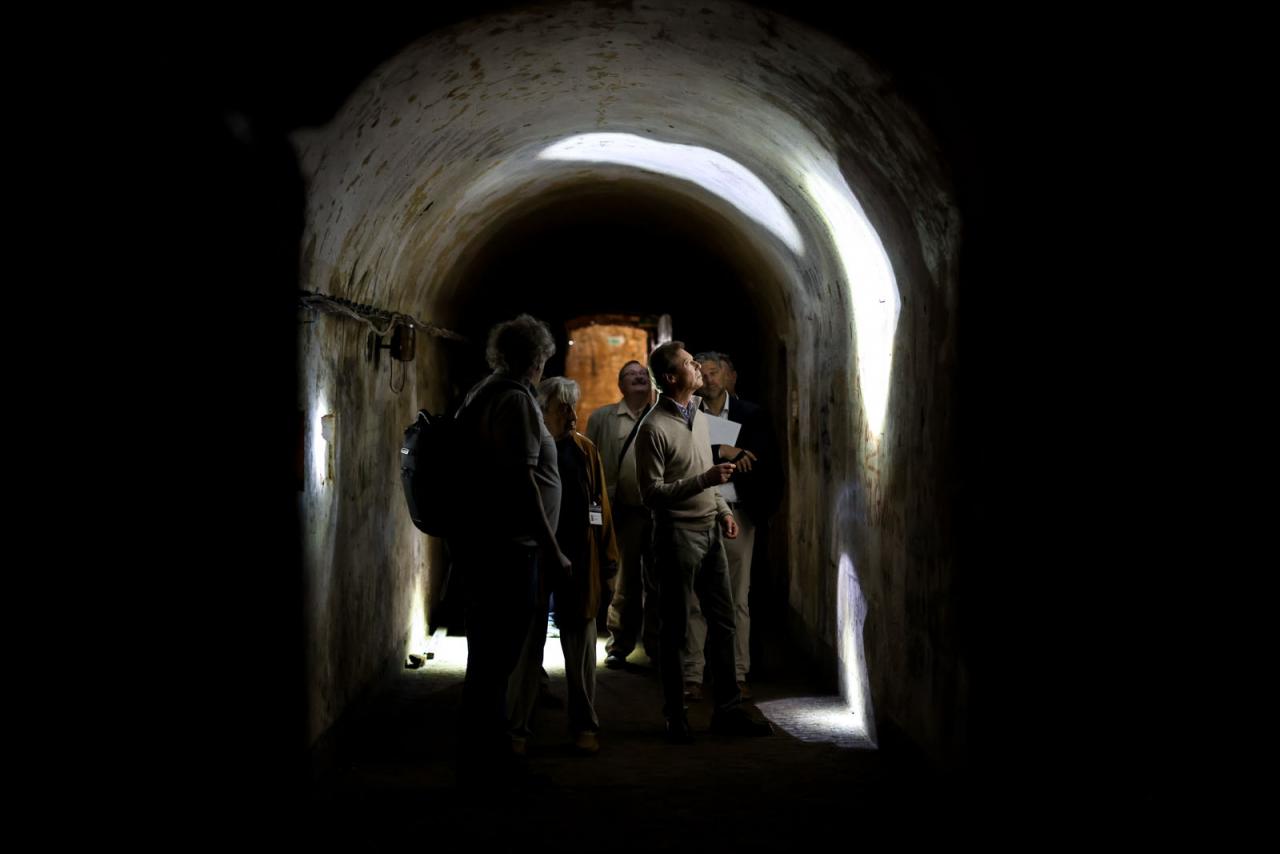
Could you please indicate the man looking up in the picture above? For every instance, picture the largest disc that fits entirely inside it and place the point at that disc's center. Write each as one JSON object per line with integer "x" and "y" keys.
{"x": 678, "y": 483}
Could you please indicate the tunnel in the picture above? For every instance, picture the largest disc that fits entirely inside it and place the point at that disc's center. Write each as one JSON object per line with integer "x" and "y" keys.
{"x": 757, "y": 181}
{"x": 901, "y": 224}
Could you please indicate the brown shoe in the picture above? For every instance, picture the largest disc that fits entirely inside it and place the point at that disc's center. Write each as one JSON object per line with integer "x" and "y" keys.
{"x": 744, "y": 690}
{"x": 693, "y": 691}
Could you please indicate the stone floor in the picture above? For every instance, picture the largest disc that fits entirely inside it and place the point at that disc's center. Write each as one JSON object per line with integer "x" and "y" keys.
{"x": 817, "y": 776}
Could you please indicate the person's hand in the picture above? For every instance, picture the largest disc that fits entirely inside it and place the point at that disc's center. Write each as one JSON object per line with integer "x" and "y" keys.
{"x": 566, "y": 565}
{"x": 730, "y": 527}
{"x": 729, "y": 452}
{"x": 719, "y": 474}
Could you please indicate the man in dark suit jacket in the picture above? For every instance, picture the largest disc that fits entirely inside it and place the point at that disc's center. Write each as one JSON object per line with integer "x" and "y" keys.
{"x": 753, "y": 494}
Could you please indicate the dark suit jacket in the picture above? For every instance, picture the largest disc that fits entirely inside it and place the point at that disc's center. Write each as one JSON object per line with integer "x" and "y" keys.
{"x": 760, "y": 489}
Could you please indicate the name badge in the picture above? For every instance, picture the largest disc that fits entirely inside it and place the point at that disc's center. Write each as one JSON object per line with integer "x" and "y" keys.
{"x": 596, "y": 514}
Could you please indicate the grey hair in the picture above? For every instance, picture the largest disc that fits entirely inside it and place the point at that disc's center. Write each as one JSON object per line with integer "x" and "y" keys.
{"x": 518, "y": 344}
{"x": 558, "y": 389}
{"x": 713, "y": 356}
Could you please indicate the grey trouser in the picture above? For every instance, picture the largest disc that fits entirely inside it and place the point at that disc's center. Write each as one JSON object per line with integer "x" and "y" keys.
{"x": 522, "y": 685}
{"x": 578, "y": 640}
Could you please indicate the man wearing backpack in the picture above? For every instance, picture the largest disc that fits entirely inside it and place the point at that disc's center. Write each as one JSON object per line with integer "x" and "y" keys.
{"x": 512, "y": 501}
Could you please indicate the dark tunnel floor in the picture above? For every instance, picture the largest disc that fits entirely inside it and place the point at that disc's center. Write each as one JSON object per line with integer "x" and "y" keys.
{"x": 638, "y": 792}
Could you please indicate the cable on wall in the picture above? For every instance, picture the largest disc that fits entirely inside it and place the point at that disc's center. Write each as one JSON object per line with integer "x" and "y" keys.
{"x": 380, "y": 321}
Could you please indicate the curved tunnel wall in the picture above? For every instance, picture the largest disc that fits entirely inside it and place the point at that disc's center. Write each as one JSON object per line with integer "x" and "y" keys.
{"x": 441, "y": 146}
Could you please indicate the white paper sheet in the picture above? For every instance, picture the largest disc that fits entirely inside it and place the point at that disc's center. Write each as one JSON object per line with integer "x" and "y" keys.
{"x": 724, "y": 432}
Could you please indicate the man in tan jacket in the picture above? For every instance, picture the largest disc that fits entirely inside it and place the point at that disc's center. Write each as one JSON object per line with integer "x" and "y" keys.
{"x": 633, "y": 611}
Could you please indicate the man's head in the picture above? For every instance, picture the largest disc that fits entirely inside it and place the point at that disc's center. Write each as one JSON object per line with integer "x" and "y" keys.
{"x": 520, "y": 347}
{"x": 633, "y": 379}
{"x": 714, "y": 370}
{"x": 558, "y": 397}
{"x": 675, "y": 369}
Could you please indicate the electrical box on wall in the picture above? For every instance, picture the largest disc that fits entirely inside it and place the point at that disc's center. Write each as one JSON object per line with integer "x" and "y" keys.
{"x": 402, "y": 344}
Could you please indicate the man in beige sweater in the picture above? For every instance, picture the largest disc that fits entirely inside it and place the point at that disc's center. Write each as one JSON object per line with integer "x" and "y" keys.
{"x": 679, "y": 484}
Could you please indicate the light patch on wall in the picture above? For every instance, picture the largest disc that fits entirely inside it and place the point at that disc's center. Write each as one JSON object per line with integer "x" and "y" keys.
{"x": 851, "y": 616}
{"x": 322, "y": 436}
{"x": 418, "y": 606}
{"x": 711, "y": 170}
{"x": 873, "y": 289}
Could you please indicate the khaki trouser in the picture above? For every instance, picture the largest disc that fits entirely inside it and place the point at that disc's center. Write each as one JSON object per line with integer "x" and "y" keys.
{"x": 738, "y": 551}
{"x": 633, "y": 611}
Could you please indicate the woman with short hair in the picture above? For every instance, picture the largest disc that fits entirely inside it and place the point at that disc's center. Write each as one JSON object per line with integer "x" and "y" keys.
{"x": 585, "y": 534}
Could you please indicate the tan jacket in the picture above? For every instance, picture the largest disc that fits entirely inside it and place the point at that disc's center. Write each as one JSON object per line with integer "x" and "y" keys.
{"x": 584, "y": 588}
{"x": 608, "y": 427}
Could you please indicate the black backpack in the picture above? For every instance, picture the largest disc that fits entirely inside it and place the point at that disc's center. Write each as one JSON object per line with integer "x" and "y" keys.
{"x": 433, "y": 457}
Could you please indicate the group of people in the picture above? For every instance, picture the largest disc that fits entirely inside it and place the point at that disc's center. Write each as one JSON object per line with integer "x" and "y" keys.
{"x": 556, "y": 515}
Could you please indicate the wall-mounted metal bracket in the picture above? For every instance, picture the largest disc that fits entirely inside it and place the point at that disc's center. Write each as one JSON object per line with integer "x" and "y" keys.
{"x": 402, "y": 345}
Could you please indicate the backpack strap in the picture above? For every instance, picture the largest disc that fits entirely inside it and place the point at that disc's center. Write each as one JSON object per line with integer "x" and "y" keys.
{"x": 632, "y": 435}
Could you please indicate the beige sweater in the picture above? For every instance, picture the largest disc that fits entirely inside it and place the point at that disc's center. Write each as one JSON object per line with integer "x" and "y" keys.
{"x": 671, "y": 459}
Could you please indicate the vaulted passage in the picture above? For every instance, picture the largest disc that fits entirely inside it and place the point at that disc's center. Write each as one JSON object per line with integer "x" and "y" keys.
{"x": 753, "y": 179}
{"x": 883, "y": 222}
